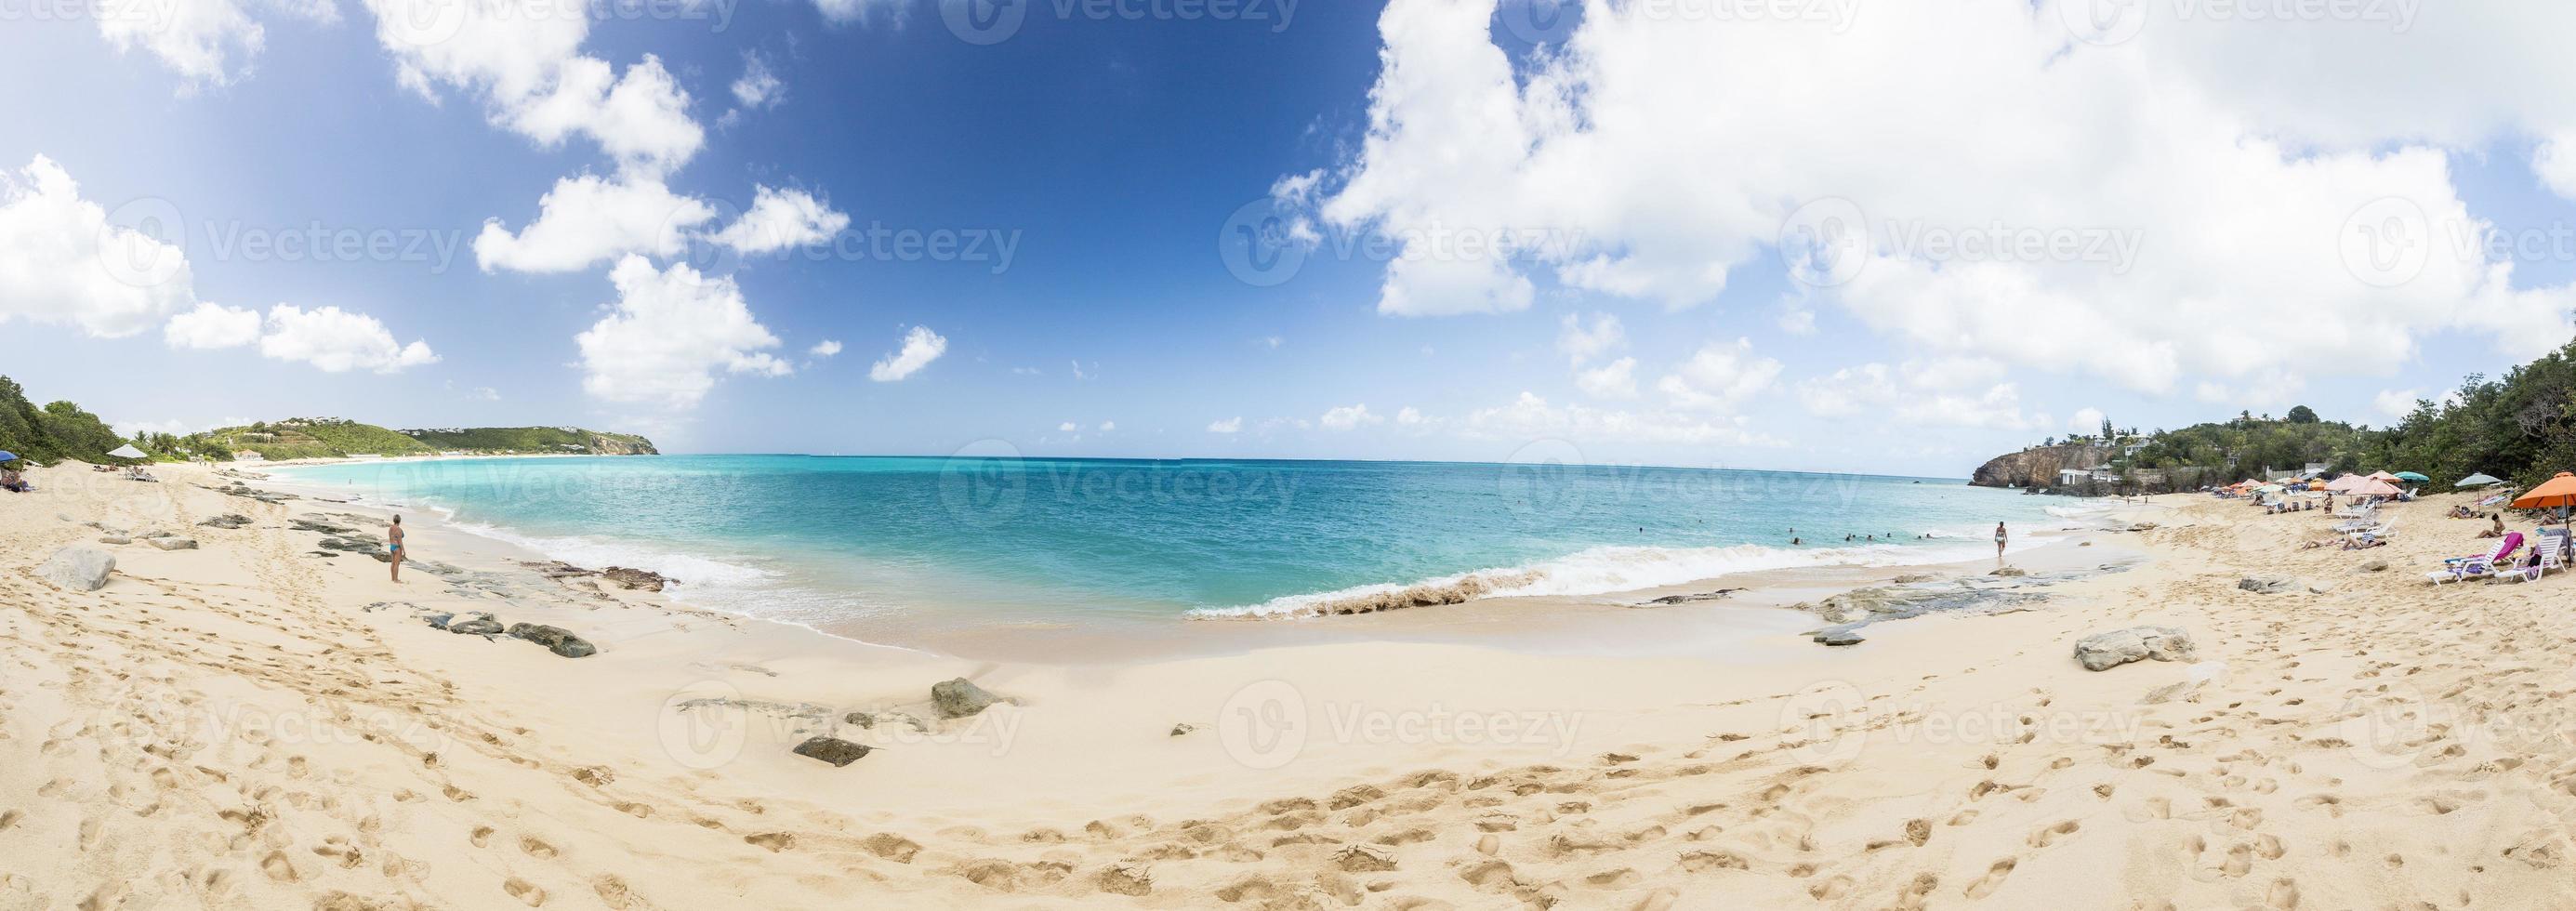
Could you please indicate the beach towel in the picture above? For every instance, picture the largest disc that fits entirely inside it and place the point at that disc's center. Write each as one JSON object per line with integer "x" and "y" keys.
{"x": 2512, "y": 542}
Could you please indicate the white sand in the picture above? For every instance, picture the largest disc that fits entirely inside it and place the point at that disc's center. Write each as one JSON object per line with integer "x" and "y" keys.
{"x": 232, "y": 727}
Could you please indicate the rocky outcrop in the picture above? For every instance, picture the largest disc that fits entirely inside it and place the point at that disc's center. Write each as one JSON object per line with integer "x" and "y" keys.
{"x": 2038, "y": 466}
{"x": 961, "y": 698}
{"x": 636, "y": 579}
{"x": 228, "y": 521}
{"x": 834, "y": 750}
{"x": 81, "y": 569}
{"x": 2104, "y": 651}
{"x": 556, "y": 639}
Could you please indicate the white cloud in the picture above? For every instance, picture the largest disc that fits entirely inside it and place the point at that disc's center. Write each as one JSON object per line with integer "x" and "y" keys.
{"x": 1941, "y": 393}
{"x": 1581, "y": 343}
{"x": 847, "y": 11}
{"x": 337, "y": 341}
{"x": 824, "y": 348}
{"x": 132, "y": 429}
{"x": 1614, "y": 380}
{"x": 667, "y": 335}
{"x": 1719, "y": 377}
{"x": 1349, "y": 417}
{"x": 212, "y": 325}
{"x": 2236, "y": 198}
{"x": 2087, "y": 421}
{"x": 524, "y": 58}
{"x": 2396, "y": 404}
{"x": 780, "y": 219}
{"x": 1408, "y": 416}
{"x": 758, "y": 88}
{"x": 1068, "y": 427}
{"x": 1532, "y": 418}
{"x": 1107, "y": 426}
{"x": 920, "y": 347}
{"x": 1229, "y": 425}
{"x": 1798, "y": 321}
{"x": 588, "y": 220}
{"x": 61, "y": 262}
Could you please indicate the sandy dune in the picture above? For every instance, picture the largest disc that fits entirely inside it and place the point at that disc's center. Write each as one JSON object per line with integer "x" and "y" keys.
{"x": 248, "y": 725}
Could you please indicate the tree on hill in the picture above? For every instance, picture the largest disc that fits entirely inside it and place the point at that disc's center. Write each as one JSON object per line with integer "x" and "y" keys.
{"x": 2302, "y": 414}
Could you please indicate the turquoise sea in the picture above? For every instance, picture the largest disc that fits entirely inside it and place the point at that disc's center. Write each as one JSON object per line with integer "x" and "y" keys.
{"x": 885, "y": 543}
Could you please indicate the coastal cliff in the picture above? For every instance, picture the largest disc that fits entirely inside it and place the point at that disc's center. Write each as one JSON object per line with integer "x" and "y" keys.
{"x": 2038, "y": 466}
{"x": 535, "y": 440}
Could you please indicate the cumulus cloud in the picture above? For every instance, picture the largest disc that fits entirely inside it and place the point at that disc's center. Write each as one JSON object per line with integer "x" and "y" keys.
{"x": 1409, "y": 416}
{"x": 1719, "y": 378}
{"x": 337, "y": 341}
{"x": 2087, "y": 421}
{"x": 848, "y": 11}
{"x": 2396, "y": 404}
{"x": 588, "y": 220}
{"x": 758, "y": 87}
{"x": 824, "y": 348}
{"x": 779, "y": 220}
{"x": 524, "y": 59}
{"x": 668, "y": 335}
{"x": 1581, "y": 343}
{"x": 1068, "y": 427}
{"x": 1350, "y": 417}
{"x": 212, "y": 325}
{"x": 1940, "y": 393}
{"x": 1229, "y": 425}
{"x": 1614, "y": 380}
{"x": 920, "y": 347}
{"x": 61, "y": 262}
{"x": 2215, "y": 196}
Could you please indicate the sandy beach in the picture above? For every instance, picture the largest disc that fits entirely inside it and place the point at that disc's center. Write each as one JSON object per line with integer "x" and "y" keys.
{"x": 250, "y": 724}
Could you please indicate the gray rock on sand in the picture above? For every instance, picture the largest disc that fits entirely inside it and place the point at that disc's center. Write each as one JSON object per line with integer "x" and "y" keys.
{"x": 1840, "y": 635}
{"x": 635, "y": 579}
{"x": 115, "y": 539}
{"x": 227, "y": 521}
{"x": 869, "y": 720}
{"x": 556, "y": 639}
{"x": 2272, "y": 585}
{"x": 961, "y": 698}
{"x": 2010, "y": 572}
{"x": 834, "y": 750}
{"x": 81, "y": 569}
{"x": 477, "y": 624}
{"x": 2104, "y": 651}
{"x": 172, "y": 543}
{"x": 1911, "y": 578}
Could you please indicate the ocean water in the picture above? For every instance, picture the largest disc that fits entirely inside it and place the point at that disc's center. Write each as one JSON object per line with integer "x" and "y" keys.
{"x": 889, "y": 543}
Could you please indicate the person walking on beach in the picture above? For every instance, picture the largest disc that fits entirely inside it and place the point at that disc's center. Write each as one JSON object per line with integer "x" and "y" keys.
{"x": 2000, "y": 535}
{"x": 394, "y": 543}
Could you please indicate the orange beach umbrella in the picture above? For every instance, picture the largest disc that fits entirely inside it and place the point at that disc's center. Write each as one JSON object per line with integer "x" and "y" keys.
{"x": 2557, "y": 491}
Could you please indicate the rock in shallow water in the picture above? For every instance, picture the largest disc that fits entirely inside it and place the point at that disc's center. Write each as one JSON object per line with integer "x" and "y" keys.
{"x": 834, "y": 750}
{"x": 81, "y": 569}
{"x": 2104, "y": 651}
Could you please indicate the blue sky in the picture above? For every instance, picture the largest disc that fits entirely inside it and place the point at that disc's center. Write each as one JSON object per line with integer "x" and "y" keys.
{"x": 1109, "y": 154}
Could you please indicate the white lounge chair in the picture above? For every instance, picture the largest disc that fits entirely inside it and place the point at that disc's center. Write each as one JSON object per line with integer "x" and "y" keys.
{"x": 2532, "y": 573}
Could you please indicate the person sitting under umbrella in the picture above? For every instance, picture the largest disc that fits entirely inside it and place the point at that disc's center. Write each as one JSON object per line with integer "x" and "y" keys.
{"x": 10, "y": 479}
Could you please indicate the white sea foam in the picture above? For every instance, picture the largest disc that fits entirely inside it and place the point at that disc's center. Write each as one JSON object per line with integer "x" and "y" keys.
{"x": 690, "y": 569}
{"x": 1600, "y": 570}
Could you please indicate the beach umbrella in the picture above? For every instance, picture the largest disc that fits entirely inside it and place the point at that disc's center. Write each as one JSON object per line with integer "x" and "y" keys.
{"x": 2384, "y": 476}
{"x": 128, "y": 452}
{"x": 2558, "y": 492}
{"x": 2411, "y": 476}
{"x": 2348, "y": 483}
{"x": 2478, "y": 480}
{"x": 6, "y": 457}
{"x": 2374, "y": 487}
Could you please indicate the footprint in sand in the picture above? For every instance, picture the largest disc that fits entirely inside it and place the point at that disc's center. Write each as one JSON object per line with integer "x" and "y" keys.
{"x": 1994, "y": 878}
{"x": 524, "y": 891}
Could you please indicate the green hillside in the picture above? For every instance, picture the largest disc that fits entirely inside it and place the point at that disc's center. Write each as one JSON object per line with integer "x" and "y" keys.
{"x": 50, "y": 434}
{"x": 310, "y": 438}
{"x": 533, "y": 440}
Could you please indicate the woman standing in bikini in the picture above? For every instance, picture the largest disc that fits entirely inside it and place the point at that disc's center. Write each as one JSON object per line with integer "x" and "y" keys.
{"x": 394, "y": 543}
{"x": 1999, "y": 542}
